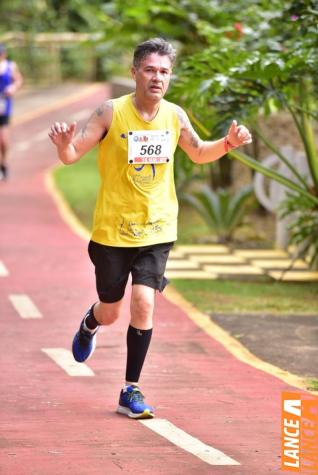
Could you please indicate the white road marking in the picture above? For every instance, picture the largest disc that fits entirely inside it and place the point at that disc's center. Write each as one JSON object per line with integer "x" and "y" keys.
{"x": 3, "y": 270}
{"x": 26, "y": 144}
{"x": 24, "y": 306}
{"x": 81, "y": 115}
{"x": 43, "y": 135}
{"x": 188, "y": 443}
{"x": 65, "y": 360}
{"x": 22, "y": 146}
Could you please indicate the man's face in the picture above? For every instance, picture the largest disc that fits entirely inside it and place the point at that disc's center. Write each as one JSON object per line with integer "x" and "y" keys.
{"x": 153, "y": 76}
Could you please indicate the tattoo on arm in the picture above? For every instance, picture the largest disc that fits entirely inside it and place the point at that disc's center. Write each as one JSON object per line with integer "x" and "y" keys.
{"x": 194, "y": 140}
{"x": 83, "y": 131}
{"x": 182, "y": 117}
{"x": 101, "y": 109}
{"x": 187, "y": 130}
{"x": 98, "y": 112}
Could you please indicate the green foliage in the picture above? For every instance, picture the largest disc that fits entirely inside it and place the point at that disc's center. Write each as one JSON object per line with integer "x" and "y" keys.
{"x": 74, "y": 61}
{"x": 258, "y": 73}
{"x": 35, "y": 16}
{"x": 313, "y": 385}
{"x": 177, "y": 20}
{"x": 270, "y": 66}
{"x": 31, "y": 16}
{"x": 222, "y": 211}
{"x": 191, "y": 227}
{"x": 303, "y": 226}
{"x": 185, "y": 172}
{"x": 42, "y": 61}
{"x": 234, "y": 59}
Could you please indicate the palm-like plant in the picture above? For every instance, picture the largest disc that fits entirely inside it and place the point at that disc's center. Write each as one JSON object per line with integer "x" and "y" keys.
{"x": 303, "y": 226}
{"x": 222, "y": 211}
{"x": 266, "y": 70}
{"x": 240, "y": 59}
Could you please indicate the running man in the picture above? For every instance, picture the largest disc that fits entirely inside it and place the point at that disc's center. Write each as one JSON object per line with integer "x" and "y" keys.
{"x": 135, "y": 222}
{"x": 10, "y": 81}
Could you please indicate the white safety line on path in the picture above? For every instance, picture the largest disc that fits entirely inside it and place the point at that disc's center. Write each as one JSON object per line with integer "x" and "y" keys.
{"x": 22, "y": 146}
{"x": 3, "y": 270}
{"x": 43, "y": 135}
{"x": 81, "y": 115}
{"x": 65, "y": 360}
{"x": 24, "y": 306}
{"x": 26, "y": 144}
{"x": 188, "y": 443}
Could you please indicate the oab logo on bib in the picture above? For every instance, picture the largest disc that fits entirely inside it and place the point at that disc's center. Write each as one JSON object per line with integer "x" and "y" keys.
{"x": 149, "y": 146}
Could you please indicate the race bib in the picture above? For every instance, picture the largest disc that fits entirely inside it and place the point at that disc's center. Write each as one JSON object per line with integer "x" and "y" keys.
{"x": 149, "y": 146}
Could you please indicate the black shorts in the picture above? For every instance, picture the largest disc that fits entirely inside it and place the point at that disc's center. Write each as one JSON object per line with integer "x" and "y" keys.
{"x": 113, "y": 265}
{"x": 4, "y": 120}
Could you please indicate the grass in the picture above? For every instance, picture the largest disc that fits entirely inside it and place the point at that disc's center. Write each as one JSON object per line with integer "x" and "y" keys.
{"x": 237, "y": 297}
{"x": 313, "y": 385}
{"x": 191, "y": 227}
{"x": 79, "y": 184}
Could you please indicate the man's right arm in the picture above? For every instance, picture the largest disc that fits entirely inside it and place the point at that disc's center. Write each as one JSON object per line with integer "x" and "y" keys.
{"x": 70, "y": 146}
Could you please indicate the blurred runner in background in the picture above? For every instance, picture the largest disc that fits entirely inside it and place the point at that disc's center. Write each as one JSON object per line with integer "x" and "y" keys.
{"x": 10, "y": 81}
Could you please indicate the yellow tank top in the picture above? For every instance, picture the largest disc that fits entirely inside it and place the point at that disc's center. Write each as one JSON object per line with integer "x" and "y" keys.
{"x": 137, "y": 203}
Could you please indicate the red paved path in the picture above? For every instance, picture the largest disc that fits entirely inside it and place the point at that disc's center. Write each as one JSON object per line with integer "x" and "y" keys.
{"x": 56, "y": 424}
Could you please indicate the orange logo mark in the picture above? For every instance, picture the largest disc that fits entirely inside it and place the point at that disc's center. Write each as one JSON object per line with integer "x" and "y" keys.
{"x": 299, "y": 433}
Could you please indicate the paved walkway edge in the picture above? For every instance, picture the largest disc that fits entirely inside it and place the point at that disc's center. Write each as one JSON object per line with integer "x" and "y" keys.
{"x": 63, "y": 207}
{"x": 231, "y": 344}
{"x": 200, "y": 319}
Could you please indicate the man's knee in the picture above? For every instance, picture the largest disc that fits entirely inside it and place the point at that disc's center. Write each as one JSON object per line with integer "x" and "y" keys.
{"x": 142, "y": 302}
{"x": 106, "y": 314}
{"x": 142, "y": 306}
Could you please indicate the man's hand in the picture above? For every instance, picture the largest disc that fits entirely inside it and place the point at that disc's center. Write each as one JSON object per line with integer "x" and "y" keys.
{"x": 62, "y": 134}
{"x": 72, "y": 146}
{"x": 238, "y": 135}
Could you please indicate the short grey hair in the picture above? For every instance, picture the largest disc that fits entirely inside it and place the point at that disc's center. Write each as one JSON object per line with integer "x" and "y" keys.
{"x": 154, "y": 45}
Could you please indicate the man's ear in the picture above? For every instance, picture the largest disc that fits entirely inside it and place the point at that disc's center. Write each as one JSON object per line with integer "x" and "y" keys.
{"x": 133, "y": 72}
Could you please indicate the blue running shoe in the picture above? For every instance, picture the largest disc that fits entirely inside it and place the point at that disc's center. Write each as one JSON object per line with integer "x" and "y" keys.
{"x": 131, "y": 403}
{"x": 84, "y": 343}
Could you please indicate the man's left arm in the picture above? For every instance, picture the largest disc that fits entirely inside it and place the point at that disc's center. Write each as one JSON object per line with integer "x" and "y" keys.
{"x": 203, "y": 151}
